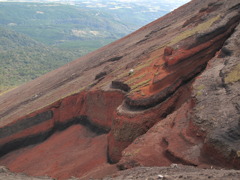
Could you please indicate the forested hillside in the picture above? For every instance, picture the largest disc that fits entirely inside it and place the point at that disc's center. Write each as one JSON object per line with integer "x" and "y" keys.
{"x": 23, "y": 59}
{"x": 63, "y": 25}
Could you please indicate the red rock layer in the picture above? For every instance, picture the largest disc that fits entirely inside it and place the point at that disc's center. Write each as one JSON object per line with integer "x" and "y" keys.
{"x": 172, "y": 140}
{"x": 81, "y": 132}
{"x": 168, "y": 90}
{"x": 97, "y": 106}
{"x": 63, "y": 155}
{"x": 80, "y": 150}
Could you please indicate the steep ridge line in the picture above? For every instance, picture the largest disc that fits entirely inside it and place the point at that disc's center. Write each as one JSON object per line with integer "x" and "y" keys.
{"x": 124, "y": 120}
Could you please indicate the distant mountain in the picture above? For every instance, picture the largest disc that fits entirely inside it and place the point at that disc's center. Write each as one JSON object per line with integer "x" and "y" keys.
{"x": 54, "y": 24}
{"x": 23, "y": 59}
{"x": 78, "y": 24}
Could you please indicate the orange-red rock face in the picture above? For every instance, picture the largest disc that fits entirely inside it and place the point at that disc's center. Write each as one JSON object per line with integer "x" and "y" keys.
{"x": 80, "y": 149}
{"x": 64, "y": 111}
{"x": 162, "y": 112}
{"x": 168, "y": 89}
{"x": 172, "y": 140}
{"x": 65, "y": 154}
{"x": 101, "y": 105}
{"x": 128, "y": 126}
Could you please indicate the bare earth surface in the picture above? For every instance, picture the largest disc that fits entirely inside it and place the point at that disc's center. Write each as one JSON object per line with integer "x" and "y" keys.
{"x": 174, "y": 172}
{"x": 178, "y": 172}
{"x": 5, "y": 174}
{"x": 165, "y": 94}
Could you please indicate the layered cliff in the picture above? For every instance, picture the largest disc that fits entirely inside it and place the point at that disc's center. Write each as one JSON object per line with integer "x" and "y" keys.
{"x": 167, "y": 93}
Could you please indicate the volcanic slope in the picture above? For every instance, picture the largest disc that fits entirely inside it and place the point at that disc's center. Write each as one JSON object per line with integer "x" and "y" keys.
{"x": 167, "y": 93}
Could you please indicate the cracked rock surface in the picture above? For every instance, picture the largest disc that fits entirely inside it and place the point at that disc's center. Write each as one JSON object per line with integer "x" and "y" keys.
{"x": 217, "y": 98}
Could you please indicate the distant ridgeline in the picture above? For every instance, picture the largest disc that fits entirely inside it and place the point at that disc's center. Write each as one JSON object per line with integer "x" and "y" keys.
{"x": 64, "y": 25}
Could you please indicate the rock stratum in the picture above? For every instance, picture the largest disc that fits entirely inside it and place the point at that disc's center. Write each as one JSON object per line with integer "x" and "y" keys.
{"x": 167, "y": 93}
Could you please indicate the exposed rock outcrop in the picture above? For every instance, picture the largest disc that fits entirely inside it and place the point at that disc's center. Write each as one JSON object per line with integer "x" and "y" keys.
{"x": 179, "y": 104}
{"x": 217, "y": 105}
{"x": 183, "y": 67}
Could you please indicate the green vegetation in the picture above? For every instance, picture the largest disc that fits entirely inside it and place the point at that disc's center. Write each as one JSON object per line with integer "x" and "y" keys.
{"x": 36, "y": 38}
{"x": 124, "y": 74}
{"x": 134, "y": 79}
{"x": 62, "y": 25}
{"x": 200, "y": 90}
{"x": 138, "y": 68}
{"x": 234, "y": 75}
{"x": 194, "y": 30}
{"x": 201, "y": 87}
{"x": 145, "y": 64}
{"x": 131, "y": 153}
{"x": 85, "y": 45}
{"x": 141, "y": 84}
{"x": 45, "y": 36}
{"x": 23, "y": 59}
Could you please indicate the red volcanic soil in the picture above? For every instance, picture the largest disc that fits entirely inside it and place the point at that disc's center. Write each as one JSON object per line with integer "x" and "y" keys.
{"x": 65, "y": 154}
{"x": 172, "y": 140}
{"x": 94, "y": 116}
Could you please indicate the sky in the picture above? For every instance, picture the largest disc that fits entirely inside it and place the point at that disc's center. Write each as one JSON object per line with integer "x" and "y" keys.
{"x": 175, "y": 3}
{"x": 169, "y": 1}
